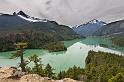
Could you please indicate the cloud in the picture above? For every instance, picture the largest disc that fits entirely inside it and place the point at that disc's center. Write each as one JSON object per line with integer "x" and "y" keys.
{"x": 69, "y": 12}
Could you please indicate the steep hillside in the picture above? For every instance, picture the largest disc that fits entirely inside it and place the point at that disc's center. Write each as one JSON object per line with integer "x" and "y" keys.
{"x": 113, "y": 29}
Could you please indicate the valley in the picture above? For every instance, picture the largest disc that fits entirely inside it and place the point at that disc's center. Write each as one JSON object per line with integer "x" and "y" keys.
{"x": 59, "y": 51}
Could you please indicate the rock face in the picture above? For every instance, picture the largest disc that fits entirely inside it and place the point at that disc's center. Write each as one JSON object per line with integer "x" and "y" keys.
{"x": 10, "y": 74}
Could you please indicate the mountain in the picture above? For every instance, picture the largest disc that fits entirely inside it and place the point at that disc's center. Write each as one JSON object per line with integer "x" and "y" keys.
{"x": 17, "y": 19}
{"x": 89, "y": 28}
{"x": 113, "y": 29}
{"x": 16, "y": 28}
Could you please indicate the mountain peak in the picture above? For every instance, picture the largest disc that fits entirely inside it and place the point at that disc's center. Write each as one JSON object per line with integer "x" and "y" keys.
{"x": 94, "y": 21}
{"x": 22, "y": 14}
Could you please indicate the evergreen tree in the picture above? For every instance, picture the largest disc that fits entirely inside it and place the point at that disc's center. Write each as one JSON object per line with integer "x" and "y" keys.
{"x": 38, "y": 67}
{"x": 49, "y": 71}
{"x": 20, "y": 48}
{"x": 61, "y": 75}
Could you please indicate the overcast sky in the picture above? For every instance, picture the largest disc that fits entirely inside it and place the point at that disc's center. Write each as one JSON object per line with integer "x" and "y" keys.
{"x": 69, "y": 12}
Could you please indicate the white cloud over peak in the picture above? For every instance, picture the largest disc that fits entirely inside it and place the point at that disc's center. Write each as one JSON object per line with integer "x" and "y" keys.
{"x": 69, "y": 12}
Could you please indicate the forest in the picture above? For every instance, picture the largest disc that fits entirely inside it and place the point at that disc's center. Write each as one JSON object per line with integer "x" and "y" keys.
{"x": 100, "y": 67}
{"x": 35, "y": 39}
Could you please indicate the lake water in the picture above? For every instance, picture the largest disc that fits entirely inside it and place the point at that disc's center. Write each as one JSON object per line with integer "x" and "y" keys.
{"x": 76, "y": 53}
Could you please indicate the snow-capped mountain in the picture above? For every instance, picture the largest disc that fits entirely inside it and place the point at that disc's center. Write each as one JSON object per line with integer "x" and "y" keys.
{"x": 89, "y": 28}
{"x": 24, "y": 16}
{"x": 18, "y": 19}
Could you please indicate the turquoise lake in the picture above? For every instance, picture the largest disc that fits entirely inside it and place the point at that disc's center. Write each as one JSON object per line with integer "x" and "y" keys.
{"x": 77, "y": 51}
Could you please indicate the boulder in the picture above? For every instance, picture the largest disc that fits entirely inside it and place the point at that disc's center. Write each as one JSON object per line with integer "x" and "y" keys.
{"x": 68, "y": 80}
{"x": 34, "y": 78}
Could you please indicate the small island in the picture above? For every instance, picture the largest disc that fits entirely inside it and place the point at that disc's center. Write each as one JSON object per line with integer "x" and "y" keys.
{"x": 55, "y": 46}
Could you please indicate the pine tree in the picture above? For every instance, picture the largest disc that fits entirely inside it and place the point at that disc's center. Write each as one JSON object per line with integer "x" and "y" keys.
{"x": 38, "y": 67}
{"x": 49, "y": 71}
{"x": 20, "y": 49}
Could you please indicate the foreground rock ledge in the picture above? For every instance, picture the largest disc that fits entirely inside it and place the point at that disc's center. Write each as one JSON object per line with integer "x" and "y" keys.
{"x": 9, "y": 74}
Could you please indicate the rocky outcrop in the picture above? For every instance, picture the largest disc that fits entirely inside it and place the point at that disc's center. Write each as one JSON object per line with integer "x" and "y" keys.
{"x": 10, "y": 74}
{"x": 7, "y": 72}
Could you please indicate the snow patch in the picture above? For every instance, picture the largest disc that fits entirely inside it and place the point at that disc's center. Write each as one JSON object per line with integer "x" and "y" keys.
{"x": 31, "y": 19}
{"x": 28, "y": 19}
